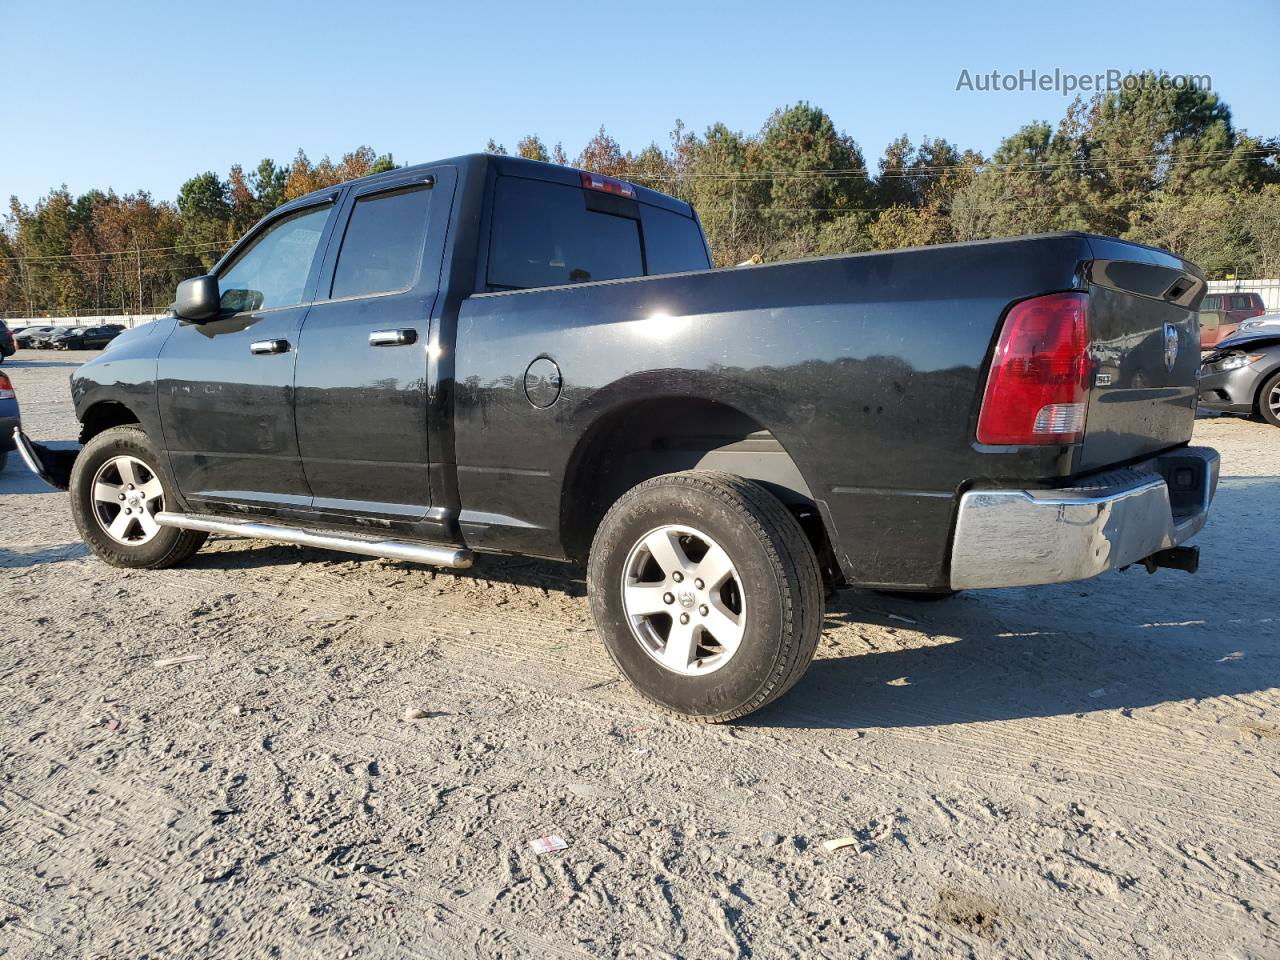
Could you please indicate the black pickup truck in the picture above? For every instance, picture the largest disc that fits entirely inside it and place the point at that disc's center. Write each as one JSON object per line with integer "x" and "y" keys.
{"x": 489, "y": 354}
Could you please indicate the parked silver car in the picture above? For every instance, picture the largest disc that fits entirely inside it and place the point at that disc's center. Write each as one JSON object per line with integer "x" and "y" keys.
{"x": 1268, "y": 321}
{"x": 1242, "y": 374}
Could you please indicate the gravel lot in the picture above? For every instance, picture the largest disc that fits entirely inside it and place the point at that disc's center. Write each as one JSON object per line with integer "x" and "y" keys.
{"x": 1084, "y": 770}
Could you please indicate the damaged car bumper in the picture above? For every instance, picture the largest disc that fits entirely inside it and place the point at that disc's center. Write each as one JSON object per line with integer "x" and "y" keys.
{"x": 51, "y": 465}
{"x": 1021, "y": 537}
{"x": 1230, "y": 391}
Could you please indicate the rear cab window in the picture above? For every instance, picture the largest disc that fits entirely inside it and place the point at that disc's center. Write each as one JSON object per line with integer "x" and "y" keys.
{"x": 673, "y": 242}
{"x": 548, "y": 234}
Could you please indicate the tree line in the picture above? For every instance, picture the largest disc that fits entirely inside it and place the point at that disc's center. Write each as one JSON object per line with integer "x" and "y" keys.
{"x": 109, "y": 252}
{"x": 1149, "y": 163}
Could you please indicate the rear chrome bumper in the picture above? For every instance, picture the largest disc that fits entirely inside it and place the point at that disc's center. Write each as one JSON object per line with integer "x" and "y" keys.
{"x": 1015, "y": 538}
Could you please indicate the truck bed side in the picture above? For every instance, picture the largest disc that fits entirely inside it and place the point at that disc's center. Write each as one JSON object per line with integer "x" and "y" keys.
{"x": 866, "y": 369}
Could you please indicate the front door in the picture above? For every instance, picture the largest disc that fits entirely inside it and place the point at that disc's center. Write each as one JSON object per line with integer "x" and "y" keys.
{"x": 226, "y": 385}
{"x": 362, "y": 359}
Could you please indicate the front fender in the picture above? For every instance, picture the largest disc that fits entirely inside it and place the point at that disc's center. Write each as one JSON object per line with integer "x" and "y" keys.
{"x": 124, "y": 373}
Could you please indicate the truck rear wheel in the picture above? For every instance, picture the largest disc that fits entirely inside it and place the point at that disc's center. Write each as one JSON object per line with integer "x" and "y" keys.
{"x": 117, "y": 488}
{"x": 706, "y": 593}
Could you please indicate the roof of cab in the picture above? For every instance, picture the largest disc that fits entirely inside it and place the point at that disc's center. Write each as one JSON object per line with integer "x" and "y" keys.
{"x": 477, "y": 164}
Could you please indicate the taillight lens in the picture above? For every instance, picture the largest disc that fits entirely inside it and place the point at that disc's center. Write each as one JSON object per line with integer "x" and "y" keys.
{"x": 6, "y": 388}
{"x": 1037, "y": 390}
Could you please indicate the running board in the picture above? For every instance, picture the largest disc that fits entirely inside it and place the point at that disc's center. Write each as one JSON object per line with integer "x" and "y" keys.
{"x": 456, "y": 557}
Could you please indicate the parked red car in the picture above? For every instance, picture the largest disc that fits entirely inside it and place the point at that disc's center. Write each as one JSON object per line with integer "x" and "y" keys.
{"x": 1221, "y": 314}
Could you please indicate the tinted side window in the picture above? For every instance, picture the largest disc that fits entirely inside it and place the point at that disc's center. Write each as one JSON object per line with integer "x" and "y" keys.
{"x": 273, "y": 271}
{"x": 1241, "y": 301}
{"x": 382, "y": 249}
{"x": 672, "y": 241}
{"x": 543, "y": 235}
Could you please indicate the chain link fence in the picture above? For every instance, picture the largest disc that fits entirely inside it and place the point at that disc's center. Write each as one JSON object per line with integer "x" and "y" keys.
{"x": 79, "y": 319}
{"x": 1269, "y": 289}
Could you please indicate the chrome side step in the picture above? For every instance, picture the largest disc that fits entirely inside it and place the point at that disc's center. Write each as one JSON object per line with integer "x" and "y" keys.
{"x": 441, "y": 556}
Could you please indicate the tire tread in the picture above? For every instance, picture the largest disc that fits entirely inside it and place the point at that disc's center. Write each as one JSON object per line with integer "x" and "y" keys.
{"x": 791, "y": 556}
{"x": 184, "y": 545}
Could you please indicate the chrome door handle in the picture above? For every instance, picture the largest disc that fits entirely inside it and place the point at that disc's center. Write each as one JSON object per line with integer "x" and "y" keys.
{"x": 268, "y": 346}
{"x": 392, "y": 338}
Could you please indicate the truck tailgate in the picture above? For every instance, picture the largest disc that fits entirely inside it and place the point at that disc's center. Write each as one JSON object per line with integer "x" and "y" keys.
{"x": 1145, "y": 345}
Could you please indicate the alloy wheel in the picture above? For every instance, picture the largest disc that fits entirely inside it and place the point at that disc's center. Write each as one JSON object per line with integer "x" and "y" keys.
{"x": 126, "y": 497}
{"x": 683, "y": 600}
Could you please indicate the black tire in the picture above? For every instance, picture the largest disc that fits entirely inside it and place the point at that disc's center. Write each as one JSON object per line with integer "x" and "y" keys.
{"x": 773, "y": 562}
{"x": 169, "y": 546}
{"x": 1272, "y": 386}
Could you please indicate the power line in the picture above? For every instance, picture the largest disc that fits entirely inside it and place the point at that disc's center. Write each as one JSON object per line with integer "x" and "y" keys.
{"x": 1083, "y": 164}
{"x": 132, "y": 251}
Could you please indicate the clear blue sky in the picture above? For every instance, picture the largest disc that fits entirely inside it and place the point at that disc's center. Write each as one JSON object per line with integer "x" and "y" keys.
{"x": 144, "y": 95}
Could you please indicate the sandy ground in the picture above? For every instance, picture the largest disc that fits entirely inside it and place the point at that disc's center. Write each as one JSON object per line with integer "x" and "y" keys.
{"x": 1086, "y": 770}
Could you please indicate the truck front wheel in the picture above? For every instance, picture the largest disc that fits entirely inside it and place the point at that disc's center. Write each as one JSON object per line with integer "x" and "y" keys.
{"x": 706, "y": 593}
{"x": 117, "y": 488}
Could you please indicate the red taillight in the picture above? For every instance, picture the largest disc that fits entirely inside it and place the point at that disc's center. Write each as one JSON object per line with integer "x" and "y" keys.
{"x": 6, "y": 388}
{"x": 1039, "y": 380}
{"x": 595, "y": 181}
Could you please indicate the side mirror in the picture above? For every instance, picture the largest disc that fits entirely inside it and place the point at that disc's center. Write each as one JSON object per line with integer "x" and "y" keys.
{"x": 197, "y": 299}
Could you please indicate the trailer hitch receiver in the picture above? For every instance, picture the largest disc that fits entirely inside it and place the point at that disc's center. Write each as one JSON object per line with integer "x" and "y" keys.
{"x": 1175, "y": 558}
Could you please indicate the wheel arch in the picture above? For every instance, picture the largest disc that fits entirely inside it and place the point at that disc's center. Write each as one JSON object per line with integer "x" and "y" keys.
{"x": 659, "y": 432}
{"x": 1263, "y": 380}
{"x": 103, "y": 415}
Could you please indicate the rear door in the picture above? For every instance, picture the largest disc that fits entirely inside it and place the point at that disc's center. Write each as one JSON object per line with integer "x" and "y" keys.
{"x": 362, "y": 362}
{"x": 226, "y": 386}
